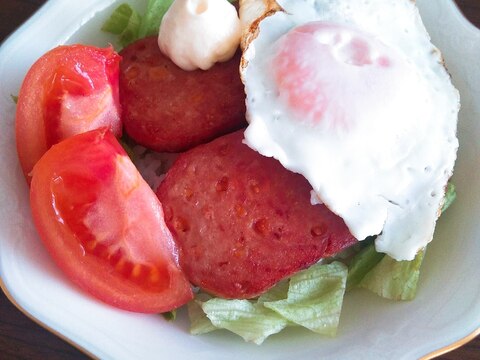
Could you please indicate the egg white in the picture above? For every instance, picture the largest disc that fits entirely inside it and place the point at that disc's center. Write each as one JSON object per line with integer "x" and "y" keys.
{"x": 389, "y": 177}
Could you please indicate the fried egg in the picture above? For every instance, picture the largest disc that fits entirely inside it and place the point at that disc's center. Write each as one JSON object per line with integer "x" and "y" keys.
{"x": 352, "y": 95}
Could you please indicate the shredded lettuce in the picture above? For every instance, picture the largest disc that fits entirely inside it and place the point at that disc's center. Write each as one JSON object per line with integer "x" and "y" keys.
{"x": 170, "y": 315}
{"x": 278, "y": 292}
{"x": 394, "y": 280}
{"x": 130, "y": 26}
{"x": 124, "y": 22}
{"x": 246, "y": 318}
{"x": 126, "y": 146}
{"x": 251, "y": 320}
{"x": 199, "y": 322}
{"x": 312, "y": 298}
{"x": 153, "y": 17}
{"x": 450, "y": 196}
{"x": 361, "y": 264}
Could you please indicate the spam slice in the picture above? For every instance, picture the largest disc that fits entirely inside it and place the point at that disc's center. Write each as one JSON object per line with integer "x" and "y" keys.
{"x": 168, "y": 109}
{"x": 241, "y": 221}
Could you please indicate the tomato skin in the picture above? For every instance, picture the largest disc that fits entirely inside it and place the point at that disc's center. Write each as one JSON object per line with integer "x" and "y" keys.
{"x": 69, "y": 90}
{"x": 104, "y": 226}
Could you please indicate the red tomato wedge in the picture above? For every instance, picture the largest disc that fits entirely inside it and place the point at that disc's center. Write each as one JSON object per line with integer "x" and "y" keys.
{"x": 69, "y": 90}
{"x": 104, "y": 226}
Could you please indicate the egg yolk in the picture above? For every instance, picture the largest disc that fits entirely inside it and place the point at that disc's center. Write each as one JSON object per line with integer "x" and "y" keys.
{"x": 327, "y": 72}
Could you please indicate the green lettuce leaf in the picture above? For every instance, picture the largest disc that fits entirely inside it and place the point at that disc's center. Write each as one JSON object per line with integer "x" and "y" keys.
{"x": 251, "y": 320}
{"x": 278, "y": 292}
{"x": 395, "y": 280}
{"x": 361, "y": 264}
{"x": 450, "y": 196}
{"x": 170, "y": 315}
{"x": 130, "y": 26}
{"x": 153, "y": 17}
{"x": 124, "y": 22}
{"x": 312, "y": 298}
{"x": 199, "y": 322}
{"x": 127, "y": 147}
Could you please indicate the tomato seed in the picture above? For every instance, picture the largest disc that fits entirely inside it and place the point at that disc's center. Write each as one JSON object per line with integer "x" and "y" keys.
{"x": 120, "y": 265}
{"x": 137, "y": 270}
{"x": 154, "y": 275}
{"x": 90, "y": 246}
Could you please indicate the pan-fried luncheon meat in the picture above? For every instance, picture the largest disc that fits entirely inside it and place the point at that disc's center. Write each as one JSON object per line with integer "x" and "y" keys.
{"x": 168, "y": 109}
{"x": 241, "y": 221}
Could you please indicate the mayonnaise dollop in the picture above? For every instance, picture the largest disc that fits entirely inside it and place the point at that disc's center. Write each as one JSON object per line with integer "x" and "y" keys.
{"x": 198, "y": 33}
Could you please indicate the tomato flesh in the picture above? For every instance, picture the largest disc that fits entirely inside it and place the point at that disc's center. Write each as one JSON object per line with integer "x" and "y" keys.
{"x": 69, "y": 90}
{"x": 104, "y": 226}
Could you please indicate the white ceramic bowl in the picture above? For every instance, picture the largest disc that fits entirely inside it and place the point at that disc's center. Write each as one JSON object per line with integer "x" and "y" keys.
{"x": 447, "y": 307}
